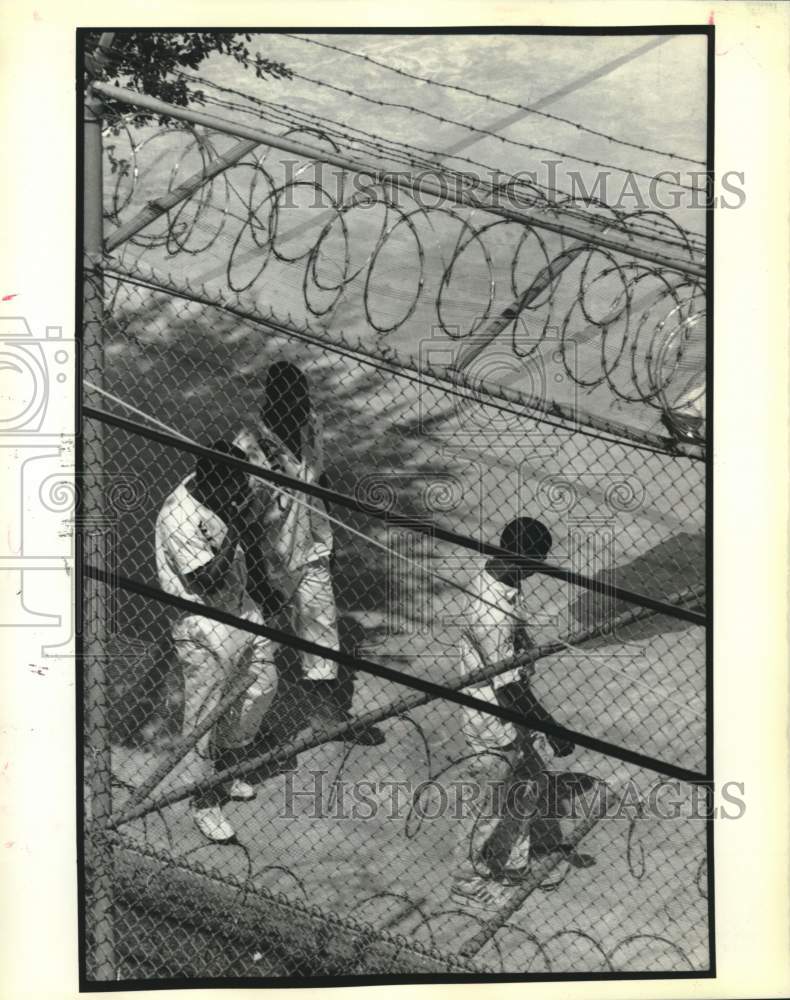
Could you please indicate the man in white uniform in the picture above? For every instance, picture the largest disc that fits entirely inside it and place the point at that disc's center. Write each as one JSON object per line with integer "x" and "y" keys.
{"x": 504, "y": 753}
{"x": 295, "y": 537}
{"x": 199, "y": 557}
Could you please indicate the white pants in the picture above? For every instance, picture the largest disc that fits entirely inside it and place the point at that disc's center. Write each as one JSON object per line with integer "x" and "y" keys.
{"x": 484, "y": 732}
{"x": 313, "y": 617}
{"x": 214, "y": 658}
{"x": 491, "y": 738}
{"x": 501, "y": 835}
{"x": 490, "y": 773}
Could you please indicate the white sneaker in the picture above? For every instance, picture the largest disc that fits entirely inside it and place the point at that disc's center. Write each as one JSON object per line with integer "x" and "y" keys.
{"x": 542, "y": 747}
{"x": 478, "y": 893}
{"x": 213, "y": 824}
{"x": 241, "y": 790}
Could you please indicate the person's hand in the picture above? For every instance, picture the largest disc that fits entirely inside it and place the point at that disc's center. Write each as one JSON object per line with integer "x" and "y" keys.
{"x": 290, "y": 465}
{"x": 235, "y": 509}
{"x": 245, "y": 440}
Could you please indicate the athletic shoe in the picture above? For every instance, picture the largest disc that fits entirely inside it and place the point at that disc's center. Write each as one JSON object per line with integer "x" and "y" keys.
{"x": 542, "y": 747}
{"x": 518, "y": 876}
{"x": 241, "y": 790}
{"x": 581, "y": 860}
{"x": 478, "y": 893}
{"x": 557, "y": 874}
{"x": 213, "y": 824}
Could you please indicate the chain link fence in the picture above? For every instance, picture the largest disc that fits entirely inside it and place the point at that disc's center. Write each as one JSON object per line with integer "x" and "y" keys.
{"x": 277, "y": 813}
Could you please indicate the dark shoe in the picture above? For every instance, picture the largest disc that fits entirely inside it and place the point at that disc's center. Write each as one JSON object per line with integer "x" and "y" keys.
{"x": 566, "y": 851}
{"x": 366, "y": 736}
{"x": 513, "y": 876}
{"x": 478, "y": 893}
{"x": 273, "y": 769}
{"x": 684, "y": 427}
{"x": 264, "y": 745}
{"x": 325, "y": 714}
{"x": 242, "y": 789}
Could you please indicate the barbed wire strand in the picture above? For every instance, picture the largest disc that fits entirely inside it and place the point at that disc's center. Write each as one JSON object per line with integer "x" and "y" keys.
{"x": 496, "y": 100}
{"x": 405, "y": 152}
{"x": 283, "y": 114}
{"x": 565, "y": 154}
{"x": 259, "y": 902}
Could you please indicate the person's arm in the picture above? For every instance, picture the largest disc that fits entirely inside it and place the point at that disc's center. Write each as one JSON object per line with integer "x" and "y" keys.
{"x": 256, "y": 455}
{"x": 209, "y": 577}
{"x": 259, "y": 584}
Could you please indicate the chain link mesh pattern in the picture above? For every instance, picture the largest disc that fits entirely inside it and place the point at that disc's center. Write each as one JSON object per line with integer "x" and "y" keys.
{"x": 354, "y": 856}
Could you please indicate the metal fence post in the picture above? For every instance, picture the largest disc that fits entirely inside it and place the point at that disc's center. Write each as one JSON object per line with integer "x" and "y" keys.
{"x": 92, "y": 533}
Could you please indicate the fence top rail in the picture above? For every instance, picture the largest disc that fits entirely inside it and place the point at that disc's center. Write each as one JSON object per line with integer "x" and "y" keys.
{"x": 554, "y": 219}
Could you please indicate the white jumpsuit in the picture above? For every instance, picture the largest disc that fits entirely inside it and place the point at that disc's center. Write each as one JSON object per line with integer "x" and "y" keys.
{"x": 488, "y": 637}
{"x": 296, "y": 538}
{"x": 213, "y": 655}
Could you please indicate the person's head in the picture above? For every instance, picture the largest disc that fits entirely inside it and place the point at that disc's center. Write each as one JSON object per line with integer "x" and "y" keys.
{"x": 286, "y": 395}
{"x": 527, "y": 537}
{"x": 222, "y": 487}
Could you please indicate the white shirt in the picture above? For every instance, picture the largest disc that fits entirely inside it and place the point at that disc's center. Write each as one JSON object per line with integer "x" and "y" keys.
{"x": 488, "y": 637}
{"x": 490, "y": 630}
{"x": 188, "y": 535}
